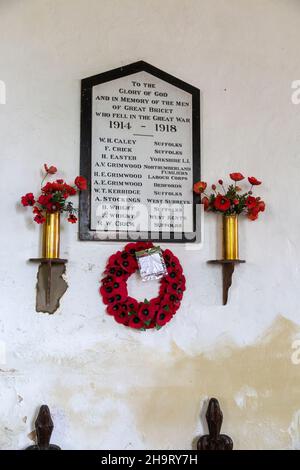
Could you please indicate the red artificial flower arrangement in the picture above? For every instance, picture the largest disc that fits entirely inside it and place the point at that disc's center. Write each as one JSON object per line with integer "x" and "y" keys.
{"x": 232, "y": 200}
{"x": 54, "y": 197}
{"x": 127, "y": 310}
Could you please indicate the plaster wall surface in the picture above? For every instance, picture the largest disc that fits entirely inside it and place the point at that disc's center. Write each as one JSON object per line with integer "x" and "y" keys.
{"x": 108, "y": 386}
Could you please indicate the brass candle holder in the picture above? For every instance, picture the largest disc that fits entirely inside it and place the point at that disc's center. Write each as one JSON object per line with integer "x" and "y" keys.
{"x": 230, "y": 252}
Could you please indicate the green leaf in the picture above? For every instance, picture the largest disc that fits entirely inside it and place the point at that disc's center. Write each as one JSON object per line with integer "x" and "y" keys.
{"x": 131, "y": 312}
{"x": 166, "y": 308}
{"x": 158, "y": 327}
{"x": 142, "y": 329}
{"x": 147, "y": 323}
{"x": 146, "y": 301}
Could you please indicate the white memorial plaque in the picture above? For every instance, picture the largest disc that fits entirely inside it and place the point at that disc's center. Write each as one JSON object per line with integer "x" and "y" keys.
{"x": 140, "y": 152}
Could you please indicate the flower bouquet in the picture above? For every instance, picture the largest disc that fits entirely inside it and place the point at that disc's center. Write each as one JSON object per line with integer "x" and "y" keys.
{"x": 231, "y": 202}
{"x": 49, "y": 204}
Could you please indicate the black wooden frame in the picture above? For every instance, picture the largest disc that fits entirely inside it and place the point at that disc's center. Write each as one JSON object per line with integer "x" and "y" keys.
{"x": 87, "y": 84}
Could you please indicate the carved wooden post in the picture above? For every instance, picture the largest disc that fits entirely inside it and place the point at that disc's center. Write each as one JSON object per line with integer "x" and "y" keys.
{"x": 43, "y": 427}
{"x": 214, "y": 440}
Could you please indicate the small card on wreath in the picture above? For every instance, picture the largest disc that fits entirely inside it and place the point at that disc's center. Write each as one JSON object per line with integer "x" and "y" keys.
{"x": 151, "y": 264}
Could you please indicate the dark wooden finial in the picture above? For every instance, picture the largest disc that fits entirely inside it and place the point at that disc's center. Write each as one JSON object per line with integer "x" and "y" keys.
{"x": 214, "y": 440}
{"x": 44, "y": 427}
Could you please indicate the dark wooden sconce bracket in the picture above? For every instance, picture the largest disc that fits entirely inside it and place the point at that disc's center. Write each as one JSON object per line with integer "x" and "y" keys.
{"x": 227, "y": 272}
{"x": 50, "y": 283}
{"x": 214, "y": 440}
{"x": 43, "y": 427}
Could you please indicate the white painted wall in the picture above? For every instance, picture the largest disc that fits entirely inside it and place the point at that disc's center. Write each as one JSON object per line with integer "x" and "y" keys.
{"x": 108, "y": 386}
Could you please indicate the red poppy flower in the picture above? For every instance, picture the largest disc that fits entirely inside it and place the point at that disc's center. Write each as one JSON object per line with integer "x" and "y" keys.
{"x": 221, "y": 203}
{"x": 137, "y": 246}
{"x": 72, "y": 219}
{"x": 51, "y": 170}
{"x": 107, "y": 280}
{"x": 113, "y": 309}
{"x": 81, "y": 183}
{"x": 68, "y": 190}
{"x": 253, "y": 214}
{"x": 47, "y": 188}
{"x": 174, "y": 267}
{"x": 130, "y": 248}
{"x": 113, "y": 259}
{"x": 54, "y": 206}
{"x": 155, "y": 303}
{"x": 146, "y": 312}
{"x": 171, "y": 259}
{"x": 118, "y": 284}
{"x": 44, "y": 199}
{"x": 106, "y": 290}
{"x": 163, "y": 317}
{"x": 168, "y": 255}
{"x": 252, "y": 180}
{"x": 200, "y": 187}
{"x": 36, "y": 210}
{"x": 261, "y": 206}
{"x": 173, "y": 276}
{"x": 236, "y": 176}
{"x": 135, "y": 322}
{"x": 172, "y": 264}
{"x": 117, "y": 296}
{"x": 28, "y": 200}
{"x": 132, "y": 304}
{"x": 220, "y": 182}
{"x": 172, "y": 298}
{"x": 174, "y": 288}
{"x": 39, "y": 219}
{"x": 163, "y": 288}
{"x": 251, "y": 202}
{"x": 122, "y": 317}
{"x": 205, "y": 202}
{"x": 128, "y": 262}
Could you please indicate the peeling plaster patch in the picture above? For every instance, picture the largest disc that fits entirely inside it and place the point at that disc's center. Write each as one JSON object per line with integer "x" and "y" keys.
{"x": 167, "y": 413}
{"x": 58, "y": 287}
{"x": 294, "y": 431}
{"x": 242, "y": 395}
{"x": 108, "y": 393}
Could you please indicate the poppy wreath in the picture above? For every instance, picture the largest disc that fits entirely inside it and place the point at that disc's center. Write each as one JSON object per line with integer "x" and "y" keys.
{"x": 127, "y": 310}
